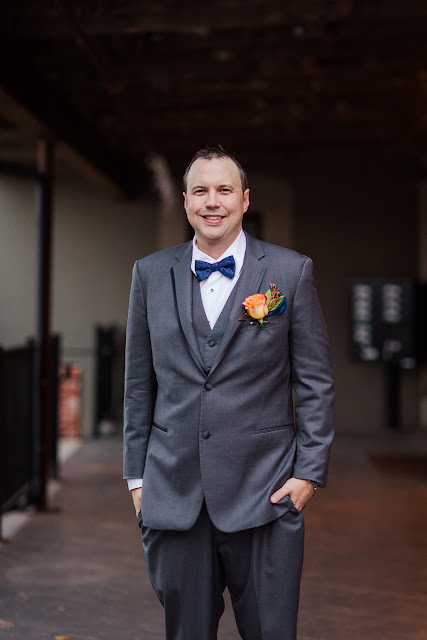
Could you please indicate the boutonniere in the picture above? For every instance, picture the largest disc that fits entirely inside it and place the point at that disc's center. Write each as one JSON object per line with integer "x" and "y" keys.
{"x": 262, "y": 306}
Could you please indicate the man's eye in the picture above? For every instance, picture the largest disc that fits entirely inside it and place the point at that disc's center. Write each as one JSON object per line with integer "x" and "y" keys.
{"x": 225, "y": 190}
{"x": 198, "y": 192}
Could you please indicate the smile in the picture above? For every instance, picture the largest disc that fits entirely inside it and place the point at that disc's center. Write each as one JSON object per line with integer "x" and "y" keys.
{"x": 212, "y": 218}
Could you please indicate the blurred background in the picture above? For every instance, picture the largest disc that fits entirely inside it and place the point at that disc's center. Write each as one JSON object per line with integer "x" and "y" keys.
{"x": 103, "y": 103}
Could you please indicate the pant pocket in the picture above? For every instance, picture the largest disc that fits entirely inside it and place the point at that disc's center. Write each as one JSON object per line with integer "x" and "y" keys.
{"x": 292, "y": 508}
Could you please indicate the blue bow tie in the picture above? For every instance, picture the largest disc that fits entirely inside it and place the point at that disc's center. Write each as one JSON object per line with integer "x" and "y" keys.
{"x": 227, "y": 267}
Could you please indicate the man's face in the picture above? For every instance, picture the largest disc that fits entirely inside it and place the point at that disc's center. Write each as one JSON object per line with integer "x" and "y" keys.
{"x": 215, "y": 203}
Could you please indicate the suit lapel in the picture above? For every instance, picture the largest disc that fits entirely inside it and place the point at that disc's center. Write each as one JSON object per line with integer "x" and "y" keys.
{"x": 182, "y": 286}
{"x": 249, "y": 283}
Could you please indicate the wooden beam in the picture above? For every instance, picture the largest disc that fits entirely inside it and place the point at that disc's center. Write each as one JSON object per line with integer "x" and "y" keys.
{"x": 36, "y": 19}
{"x": 193, "y": 18}
{"x": 33, "y": 103}
{"x": 17, "y": 170}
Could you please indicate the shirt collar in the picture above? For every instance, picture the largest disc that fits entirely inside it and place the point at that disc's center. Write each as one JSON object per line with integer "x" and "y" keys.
{"x": 236, "y": 248}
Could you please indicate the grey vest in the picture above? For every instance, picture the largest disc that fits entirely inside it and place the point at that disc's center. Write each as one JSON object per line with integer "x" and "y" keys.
{"x": 209, "y": 339}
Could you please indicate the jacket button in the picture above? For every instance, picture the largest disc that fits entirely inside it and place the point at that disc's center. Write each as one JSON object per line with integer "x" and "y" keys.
{"x": 211, "y": 343}
{"x": 206, "y": 435}
{"x": 208, "y": 386}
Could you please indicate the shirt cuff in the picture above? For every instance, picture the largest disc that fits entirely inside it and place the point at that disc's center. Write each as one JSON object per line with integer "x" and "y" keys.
{"x": 134, "y": 483}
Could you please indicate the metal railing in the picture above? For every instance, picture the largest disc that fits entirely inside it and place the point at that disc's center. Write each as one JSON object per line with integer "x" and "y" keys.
{"x": 19, "y": 466}
{"x": 16, "y": 425}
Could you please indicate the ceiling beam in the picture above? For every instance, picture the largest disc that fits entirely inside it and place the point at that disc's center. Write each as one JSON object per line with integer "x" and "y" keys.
{"x": 192, "y": 18}
{"x": 29, "y": 100}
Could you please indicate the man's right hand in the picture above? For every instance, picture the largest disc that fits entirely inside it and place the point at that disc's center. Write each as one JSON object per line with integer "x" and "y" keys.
{"x": 136, "y": 497}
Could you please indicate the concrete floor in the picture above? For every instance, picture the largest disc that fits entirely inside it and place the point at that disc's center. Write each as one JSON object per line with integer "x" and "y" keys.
{"x": 78, "y": 572}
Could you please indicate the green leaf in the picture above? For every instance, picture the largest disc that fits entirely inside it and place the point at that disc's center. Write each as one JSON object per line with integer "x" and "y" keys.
{"x": 268, "y": 294}
{"x": 276, "y": 304}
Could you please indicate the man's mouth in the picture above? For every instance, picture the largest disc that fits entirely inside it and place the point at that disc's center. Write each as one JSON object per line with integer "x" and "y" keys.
{"x": 212, "y": 218}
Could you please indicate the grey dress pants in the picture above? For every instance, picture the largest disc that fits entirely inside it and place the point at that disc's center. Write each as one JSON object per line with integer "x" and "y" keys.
{"x": 261, "y": 567}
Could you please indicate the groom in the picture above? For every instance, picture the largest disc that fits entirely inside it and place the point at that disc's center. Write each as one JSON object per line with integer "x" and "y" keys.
{"x": 219, "y": 461}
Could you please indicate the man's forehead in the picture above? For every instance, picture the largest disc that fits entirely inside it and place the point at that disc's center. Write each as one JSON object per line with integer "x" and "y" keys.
{"x": 222, "y": 169}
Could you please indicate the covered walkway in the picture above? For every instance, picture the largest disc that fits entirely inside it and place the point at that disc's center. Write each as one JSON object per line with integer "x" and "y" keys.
{"x": 78, "y": 571}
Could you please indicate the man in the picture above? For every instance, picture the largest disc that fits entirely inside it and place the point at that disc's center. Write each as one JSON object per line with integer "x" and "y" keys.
{"x": 210, "y": 433}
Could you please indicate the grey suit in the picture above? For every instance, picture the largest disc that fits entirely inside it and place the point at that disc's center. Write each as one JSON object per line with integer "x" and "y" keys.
{"x": 214, "y": 424}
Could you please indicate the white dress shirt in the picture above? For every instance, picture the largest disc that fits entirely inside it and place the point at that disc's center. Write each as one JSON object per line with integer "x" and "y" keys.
{"x": 215, "y": 291}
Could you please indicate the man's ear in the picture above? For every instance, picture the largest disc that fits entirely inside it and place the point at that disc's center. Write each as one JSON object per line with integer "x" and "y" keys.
{"x": 246, "y": 200}
{"x": 185, "y": 199}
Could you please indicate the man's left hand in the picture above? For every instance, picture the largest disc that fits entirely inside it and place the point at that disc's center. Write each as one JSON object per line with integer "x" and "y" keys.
{"x": 300, "y": 492}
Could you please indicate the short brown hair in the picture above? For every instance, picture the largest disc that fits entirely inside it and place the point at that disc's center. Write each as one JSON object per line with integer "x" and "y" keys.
{"x": 209, "y": 153}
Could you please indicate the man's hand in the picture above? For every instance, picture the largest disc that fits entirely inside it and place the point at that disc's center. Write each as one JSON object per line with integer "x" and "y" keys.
{"x": 136, "y": 497}
{"x": 300, "y": 492}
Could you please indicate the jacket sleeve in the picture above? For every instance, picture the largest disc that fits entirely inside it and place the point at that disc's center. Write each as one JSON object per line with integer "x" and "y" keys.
{"x": 312, "y": 380}
{"x": 140, "y": 384}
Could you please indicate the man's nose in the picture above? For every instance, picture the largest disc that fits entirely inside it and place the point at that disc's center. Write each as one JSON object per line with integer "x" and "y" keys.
{"x": 212, "y": 199}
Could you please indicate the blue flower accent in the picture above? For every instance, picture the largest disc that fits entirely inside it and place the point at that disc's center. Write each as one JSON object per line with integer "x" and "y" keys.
{"x": 279, "y": 309}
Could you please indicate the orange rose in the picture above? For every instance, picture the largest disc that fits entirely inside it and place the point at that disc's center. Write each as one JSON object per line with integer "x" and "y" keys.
{"x": 256, "y": 306}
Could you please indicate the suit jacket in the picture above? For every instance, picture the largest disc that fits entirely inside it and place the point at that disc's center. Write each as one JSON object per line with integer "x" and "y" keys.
{"x": 229, "y": 436}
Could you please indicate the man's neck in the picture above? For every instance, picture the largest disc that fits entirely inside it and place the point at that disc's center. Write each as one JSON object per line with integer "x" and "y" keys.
{"x": 214, "y": 250}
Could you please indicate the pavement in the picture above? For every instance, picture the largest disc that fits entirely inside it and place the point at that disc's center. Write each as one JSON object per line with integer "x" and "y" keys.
{"x": 77, "y": 572}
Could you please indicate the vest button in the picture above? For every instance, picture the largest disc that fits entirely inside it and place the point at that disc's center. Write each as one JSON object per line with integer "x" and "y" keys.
{"x": 206, "y": 435}
{"x": 211, "y": 343}
{"x": 208, "y": 386}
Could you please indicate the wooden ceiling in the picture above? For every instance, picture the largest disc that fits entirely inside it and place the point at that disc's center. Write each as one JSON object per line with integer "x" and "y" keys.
{"x": 115, "y": 80}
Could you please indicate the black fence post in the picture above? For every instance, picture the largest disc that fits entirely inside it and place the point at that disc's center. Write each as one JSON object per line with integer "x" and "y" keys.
{"x": 43, "y": 369}
{"x": 104, "y": 337}
{"x": 392, "y": 395}
{"x": 109, "y": 382}
{"x": 54, "y": 392}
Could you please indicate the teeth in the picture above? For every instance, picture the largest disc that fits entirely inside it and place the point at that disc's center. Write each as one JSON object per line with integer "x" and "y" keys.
{"x": 212, "y": 217}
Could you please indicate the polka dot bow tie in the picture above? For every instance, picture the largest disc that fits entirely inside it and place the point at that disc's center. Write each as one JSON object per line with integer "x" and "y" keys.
{"x": 227, "y": 267}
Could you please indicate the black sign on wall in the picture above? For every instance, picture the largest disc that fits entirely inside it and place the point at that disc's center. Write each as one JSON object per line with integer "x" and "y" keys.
{"x": 383, "y": 321}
